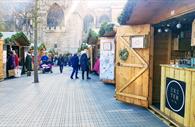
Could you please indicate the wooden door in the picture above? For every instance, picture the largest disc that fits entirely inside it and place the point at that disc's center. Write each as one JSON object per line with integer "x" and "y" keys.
{"x": 133, "y": 75}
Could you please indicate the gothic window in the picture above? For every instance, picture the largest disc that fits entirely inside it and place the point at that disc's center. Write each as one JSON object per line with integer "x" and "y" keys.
{"x": 55, "y": 16}
{"x": 88, "y": 23}
{"x": 102, "y": 19}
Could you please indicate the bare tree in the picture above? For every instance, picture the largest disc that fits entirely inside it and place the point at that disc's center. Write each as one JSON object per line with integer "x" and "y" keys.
{"x": 23, "y": 14}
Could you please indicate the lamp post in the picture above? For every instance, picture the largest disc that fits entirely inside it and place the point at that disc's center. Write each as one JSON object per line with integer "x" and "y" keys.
{"x": 36, "y": 79}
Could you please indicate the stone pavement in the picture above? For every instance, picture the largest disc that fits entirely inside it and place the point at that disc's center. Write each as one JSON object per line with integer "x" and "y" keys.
{"x": 58, "y": 101}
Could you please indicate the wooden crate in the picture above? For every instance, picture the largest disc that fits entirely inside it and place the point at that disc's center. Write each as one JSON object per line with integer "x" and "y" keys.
{"x": 187, "y": 76}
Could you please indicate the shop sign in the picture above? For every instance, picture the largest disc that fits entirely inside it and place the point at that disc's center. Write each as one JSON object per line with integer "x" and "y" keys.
{"x": 107, "y": 46}
{"x": 175, "y": 96}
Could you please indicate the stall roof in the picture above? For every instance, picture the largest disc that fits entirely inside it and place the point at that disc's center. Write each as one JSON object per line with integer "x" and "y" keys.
{"x": 22, "y": 40}
{"x": 155, "y": 11}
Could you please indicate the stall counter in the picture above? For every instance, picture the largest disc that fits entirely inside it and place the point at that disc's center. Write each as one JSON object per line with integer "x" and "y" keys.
{"x": 178, "y": 94}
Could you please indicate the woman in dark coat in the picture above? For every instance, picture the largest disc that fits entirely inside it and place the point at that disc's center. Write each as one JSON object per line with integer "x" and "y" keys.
{"x": 61, "y": 63}
{"x": 84, "y": 64}
{"x": 28, "y": 64}
{"x": 11, "y": 61}
{"x": 75, "y": 66}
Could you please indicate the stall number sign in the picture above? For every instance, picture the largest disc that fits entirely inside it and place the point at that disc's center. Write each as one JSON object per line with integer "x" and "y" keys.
{"x": 175, "y": 96}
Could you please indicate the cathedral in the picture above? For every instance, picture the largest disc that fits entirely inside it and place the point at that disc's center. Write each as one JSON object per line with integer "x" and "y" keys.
{"x": 64, "y": 23}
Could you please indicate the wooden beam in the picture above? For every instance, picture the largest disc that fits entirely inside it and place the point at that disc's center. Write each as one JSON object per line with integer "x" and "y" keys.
{"x": 133, "y": 96}
{"x": 133, "y": 65}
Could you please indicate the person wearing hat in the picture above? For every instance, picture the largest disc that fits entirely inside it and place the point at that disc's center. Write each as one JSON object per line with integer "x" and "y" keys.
{"x": 84, "y": 64}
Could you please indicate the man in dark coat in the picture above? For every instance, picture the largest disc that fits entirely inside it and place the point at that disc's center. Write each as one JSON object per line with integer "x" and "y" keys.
{"x": 61, "y": 63}
{"x": 28, "y": 63}
{"x": 84, "y": 64}
{"x": 75, "y": 66}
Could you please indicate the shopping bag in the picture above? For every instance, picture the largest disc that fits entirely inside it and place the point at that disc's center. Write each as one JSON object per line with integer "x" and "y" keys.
{"x": 28, "y": 73}
{"x": 11, "y": 73}
{"x": 17, "y": 72}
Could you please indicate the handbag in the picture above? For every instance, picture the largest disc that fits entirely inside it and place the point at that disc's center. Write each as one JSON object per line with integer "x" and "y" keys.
{"x": 11, "y": 73}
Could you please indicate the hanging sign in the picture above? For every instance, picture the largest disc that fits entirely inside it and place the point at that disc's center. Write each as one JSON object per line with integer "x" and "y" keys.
{"x": 175, "y": 96}
{"x": 107, "y": 46}
{"x": 138, "y": 42}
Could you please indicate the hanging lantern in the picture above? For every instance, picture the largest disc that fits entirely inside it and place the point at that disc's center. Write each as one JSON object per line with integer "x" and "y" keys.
{"x": 166, "y": 30}
{"x": 178, "y": 25}
{"x": 159, "y": 30}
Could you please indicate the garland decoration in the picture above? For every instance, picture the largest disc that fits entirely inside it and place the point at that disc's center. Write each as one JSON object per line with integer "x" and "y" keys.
{"x": 124, "y": 54}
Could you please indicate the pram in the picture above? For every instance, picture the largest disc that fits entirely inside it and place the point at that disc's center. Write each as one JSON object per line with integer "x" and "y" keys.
{"x": 46, "y": 68}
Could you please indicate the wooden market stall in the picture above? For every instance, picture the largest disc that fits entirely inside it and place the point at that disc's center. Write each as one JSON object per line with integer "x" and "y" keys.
{"x": 20, "y": 45}
{"x": 169, "y": 55}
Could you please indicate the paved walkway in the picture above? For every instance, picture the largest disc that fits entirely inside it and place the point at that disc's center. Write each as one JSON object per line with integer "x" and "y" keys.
{"x": 58, "y": 101}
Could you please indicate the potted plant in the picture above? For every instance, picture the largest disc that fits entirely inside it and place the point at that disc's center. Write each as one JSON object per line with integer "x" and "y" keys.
{"x": 107, "y": 30}
{"x": 1, "y": 35}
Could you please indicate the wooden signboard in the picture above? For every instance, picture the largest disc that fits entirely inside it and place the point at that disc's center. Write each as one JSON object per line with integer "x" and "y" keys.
{"x": 133, "y": 75}
{"x": 107, "y": 59}
{"x": 1, "y": 60}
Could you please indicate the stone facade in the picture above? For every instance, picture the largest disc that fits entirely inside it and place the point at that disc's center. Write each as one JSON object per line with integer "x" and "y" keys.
{"x": 68, "y": 32}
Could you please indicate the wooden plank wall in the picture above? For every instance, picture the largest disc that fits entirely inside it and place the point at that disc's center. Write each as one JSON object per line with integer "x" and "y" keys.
{"x": 162, "y": 52}
{"x": 1, "y": 61}
{"x": 187, "y": 76}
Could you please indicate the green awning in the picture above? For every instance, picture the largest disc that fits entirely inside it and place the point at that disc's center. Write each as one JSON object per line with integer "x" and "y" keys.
{"x": 21, "y": 39}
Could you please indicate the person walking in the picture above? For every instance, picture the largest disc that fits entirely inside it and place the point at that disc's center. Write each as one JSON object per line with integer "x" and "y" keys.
{"x": 96, "y": 67}
{"x": 75, "y": 65}
{"x": 11, "y": 65}
{"x": 84, "y": 64}
{"x": 29, "y": 63}
{"x": 61, "y": 63}
{"x": 16, "y": 59}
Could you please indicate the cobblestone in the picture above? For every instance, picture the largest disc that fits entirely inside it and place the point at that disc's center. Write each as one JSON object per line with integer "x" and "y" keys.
{"x": 58, "y": 101}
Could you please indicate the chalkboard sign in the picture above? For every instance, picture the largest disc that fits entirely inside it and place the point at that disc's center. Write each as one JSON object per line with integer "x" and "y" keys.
{"x": 175, "y": 96}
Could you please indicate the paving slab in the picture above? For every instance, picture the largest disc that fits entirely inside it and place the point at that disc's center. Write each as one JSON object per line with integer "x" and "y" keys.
{"x": 58, "y": 101}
